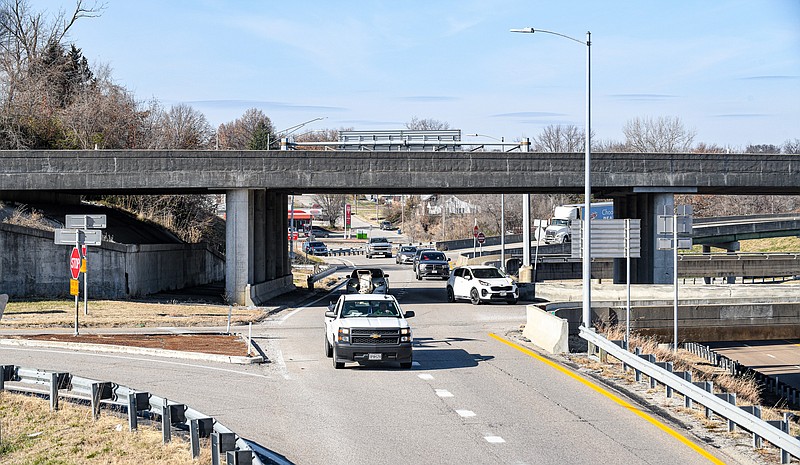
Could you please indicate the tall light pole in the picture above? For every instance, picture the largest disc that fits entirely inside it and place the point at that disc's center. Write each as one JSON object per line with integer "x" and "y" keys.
{"x": 586, "y": 258}
{"x": 502, "y": 209}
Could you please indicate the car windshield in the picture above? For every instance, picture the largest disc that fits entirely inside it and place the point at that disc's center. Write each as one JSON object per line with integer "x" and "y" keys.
{"x": 433, "y": 256}
{"x": 487, "y": 273}
{"x": 408, "y": 249}
{"x": 316, "y": 244}
{"x": 370, "y": 308}
{"x": 375, "y": 272}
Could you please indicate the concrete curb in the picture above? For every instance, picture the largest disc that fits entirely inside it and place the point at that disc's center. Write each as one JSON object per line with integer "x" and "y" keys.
{"x": 80, "y": 347}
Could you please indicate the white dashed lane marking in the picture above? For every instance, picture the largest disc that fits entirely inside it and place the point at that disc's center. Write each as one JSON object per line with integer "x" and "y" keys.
{"x": 494, "y": 439}
{"x": 465, "y": 413}
{"x": 425, "y": 376}
{"x": 443, "y": 393}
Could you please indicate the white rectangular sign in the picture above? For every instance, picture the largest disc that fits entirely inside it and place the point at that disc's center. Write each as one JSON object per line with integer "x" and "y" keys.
{"x": 78, "y": 236}
{"x": 608, "y": 238}
{"x": 85, "y": 222}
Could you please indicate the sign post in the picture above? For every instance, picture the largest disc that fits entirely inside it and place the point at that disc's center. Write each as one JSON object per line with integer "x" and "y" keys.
{"x": 679, "y": 223}
{"x": 79, "y": 234}
{"x": 474, "y": 238}
{"x": 481, "y": 238}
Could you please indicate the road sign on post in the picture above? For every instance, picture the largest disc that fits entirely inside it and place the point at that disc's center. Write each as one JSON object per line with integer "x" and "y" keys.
{"x": 78, "y": 236}
{"x": 85, "y": 222}
{"x": 481, "y": 238}
{"x": 75, "y": 263}
{"x": 475, "y": 231}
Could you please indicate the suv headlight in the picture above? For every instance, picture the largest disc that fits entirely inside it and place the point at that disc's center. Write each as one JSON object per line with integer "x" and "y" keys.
{"x": 405, "y": 334}
{"x": 483, "y": 283}
{"x": 344, "y": 335}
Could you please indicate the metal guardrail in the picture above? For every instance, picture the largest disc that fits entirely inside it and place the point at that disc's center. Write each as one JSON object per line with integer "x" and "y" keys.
{"x": 56, "y": 385}
{"x": 722, "y": 404}
{"x": 312, "y": 278}
{"x": 772, "y": 384}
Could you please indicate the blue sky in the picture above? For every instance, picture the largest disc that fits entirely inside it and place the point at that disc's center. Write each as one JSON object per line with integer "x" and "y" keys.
{"x": 729, "y": 69}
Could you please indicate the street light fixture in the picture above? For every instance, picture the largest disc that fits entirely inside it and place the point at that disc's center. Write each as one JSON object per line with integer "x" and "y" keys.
{"x": 586, "y": 258}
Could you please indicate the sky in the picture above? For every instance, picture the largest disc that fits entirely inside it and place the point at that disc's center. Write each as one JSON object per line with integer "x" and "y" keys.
{"x": 728, "y": 69}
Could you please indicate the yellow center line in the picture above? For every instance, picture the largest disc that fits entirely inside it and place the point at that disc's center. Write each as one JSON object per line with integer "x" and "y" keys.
{"x": 597, "y": 388}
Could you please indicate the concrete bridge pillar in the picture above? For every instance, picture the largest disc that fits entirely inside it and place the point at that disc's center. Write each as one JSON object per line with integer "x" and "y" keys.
{"x": 256, "y": 260}
{"x": 655, "y": 266}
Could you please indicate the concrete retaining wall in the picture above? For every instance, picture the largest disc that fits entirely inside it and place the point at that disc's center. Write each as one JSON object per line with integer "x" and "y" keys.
{"x": 546, "y": 330}
{"x": 31, "y": 265}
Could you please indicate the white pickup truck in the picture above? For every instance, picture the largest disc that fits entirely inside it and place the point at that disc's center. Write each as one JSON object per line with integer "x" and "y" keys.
{"x": 368, "y": 328}
{"x": 379, "y": 246}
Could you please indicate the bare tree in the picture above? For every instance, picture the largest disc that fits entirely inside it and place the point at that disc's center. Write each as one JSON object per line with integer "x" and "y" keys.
{"x": 792, "y": 147}
{"x": 333, "y": 205}
{"x": 762, "y": 148}
{"x": 427, "y": 124}
{"x": 662, "y": 134}
{"x": 559, "y": 139}
{"x": 240, "y": 133}
{"x": 183, "y": 127}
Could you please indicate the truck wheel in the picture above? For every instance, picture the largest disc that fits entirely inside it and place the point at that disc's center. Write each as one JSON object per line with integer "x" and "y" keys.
{"x": 474, "y": 297}
{"x": 451, "y": 297}
{"x": 328, "y": 349}
{"x": 336, "y": 364}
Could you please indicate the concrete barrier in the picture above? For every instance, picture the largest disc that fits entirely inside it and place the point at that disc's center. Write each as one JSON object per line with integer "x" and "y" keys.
{"x": 3, "y": 302}
{"x": 546, "y": 330}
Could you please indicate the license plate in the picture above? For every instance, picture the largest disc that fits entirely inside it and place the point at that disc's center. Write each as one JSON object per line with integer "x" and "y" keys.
{"x": 502, "y": 294}
{"x": 375, "y": 356}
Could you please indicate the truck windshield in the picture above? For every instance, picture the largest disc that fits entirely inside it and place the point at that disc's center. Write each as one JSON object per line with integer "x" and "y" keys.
{"x": 559, "y": 222}
{"x": 370, "y": 308}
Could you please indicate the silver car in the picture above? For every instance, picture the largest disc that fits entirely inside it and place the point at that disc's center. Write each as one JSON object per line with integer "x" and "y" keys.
{"x": 368, "y": 281}
{"x": 405, "y": 254}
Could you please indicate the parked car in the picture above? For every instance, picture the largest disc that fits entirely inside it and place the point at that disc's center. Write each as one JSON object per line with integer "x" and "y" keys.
{"x": 481, "y": 284}
{"x": 433, "y": 264}
{"x": 368, "y": 329}
{"x": 368, "y": 281}
{"x": 416, "y": 256}
{"x": 386, "y": 225}
{"x": 315, "y": 248}
{"x": 320, "y": 232}
{"x": 405, "y": 254}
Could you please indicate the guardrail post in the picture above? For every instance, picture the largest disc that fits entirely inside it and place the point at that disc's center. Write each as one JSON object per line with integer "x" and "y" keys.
{"x": 133, "y": 414}
{"x": 687, "y": 401}
{"x": 53, "y": 392}
{"x": 754, "y": 410}
{"x": 166, "y": 422}
{"x": 194, "y": 438}
{"x": 221, "y": 443}
{"x": 100, "y": 391}
{"x": 637, "y": 375}
{"x": 240, "y": 457}
{"x": 6, "y": 375}
{"x": 668, "y": 367}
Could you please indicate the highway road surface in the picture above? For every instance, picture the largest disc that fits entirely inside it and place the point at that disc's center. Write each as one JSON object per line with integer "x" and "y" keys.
{"x": 475, "y": 395}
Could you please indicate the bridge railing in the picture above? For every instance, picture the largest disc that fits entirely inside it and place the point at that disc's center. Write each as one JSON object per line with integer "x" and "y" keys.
{"x": 138, "y": 404}
{"x": 724, "y": 405}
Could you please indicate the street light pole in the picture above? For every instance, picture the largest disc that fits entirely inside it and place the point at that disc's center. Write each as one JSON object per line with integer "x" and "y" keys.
{"x": 586, "y": 235}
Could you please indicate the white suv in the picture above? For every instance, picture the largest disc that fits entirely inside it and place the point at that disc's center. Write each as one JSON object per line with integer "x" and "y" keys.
{"x": 481, "y": 284}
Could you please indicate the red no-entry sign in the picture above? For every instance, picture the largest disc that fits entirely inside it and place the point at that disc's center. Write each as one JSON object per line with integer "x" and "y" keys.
{"x": 75, "y": 263}
{"x": 481, "y": 238}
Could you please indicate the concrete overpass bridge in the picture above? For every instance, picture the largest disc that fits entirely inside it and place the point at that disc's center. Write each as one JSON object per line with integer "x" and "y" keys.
{"x": 257, "y": 184}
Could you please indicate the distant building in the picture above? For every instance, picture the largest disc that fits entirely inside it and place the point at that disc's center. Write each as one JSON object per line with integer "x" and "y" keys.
{"x": 451, "y": 204}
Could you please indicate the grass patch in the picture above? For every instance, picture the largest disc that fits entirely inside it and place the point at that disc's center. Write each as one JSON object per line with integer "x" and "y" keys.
{"x": 32, "y": 434}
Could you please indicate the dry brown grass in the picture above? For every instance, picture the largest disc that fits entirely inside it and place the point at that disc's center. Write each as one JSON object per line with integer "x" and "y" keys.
{"x": 112, "y": 314}
{"x": 747, "y": 390}
{"x": 22, "y": 216}
{"x": 31, "y": 434}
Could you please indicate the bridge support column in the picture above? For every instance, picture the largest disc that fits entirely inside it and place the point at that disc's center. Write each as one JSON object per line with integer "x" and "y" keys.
{"x": 731, "y": 247}
{"x": 256, "y": 259}
{"x": 238, "y": 232}
{"x": 655, "y": 266}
